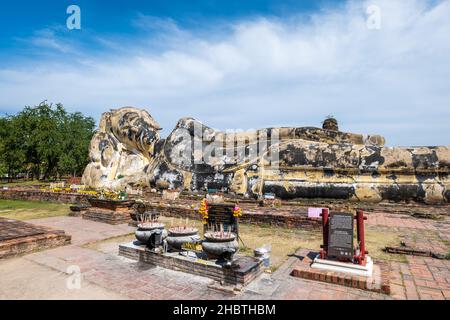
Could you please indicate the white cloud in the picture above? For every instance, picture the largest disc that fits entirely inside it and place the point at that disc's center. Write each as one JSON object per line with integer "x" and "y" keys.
{"x": 263, "y": 72}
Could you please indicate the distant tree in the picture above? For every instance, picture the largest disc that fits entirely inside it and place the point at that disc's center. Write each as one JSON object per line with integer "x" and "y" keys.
{"x": 45, "y": 140}
{"x": 12, "y": 153}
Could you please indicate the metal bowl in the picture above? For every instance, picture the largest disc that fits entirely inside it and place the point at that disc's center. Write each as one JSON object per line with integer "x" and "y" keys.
{"x": 189, "y": 232}
{"x": 211, "y": 238}
{"x": 150, "y": 226}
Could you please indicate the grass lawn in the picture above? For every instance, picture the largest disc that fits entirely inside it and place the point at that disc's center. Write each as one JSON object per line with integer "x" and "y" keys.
{"x": 378, "y": 240}
{"x": 285, "y": 242}
{"x": 27, "y": 210}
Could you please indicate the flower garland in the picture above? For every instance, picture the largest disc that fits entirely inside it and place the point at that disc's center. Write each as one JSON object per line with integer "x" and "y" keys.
{"x": 237, "y": 212}
{"x": 203, "y": 210}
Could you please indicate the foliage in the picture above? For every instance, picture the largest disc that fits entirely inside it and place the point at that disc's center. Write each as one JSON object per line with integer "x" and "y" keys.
{"x": 45, "y": 141}
{"x": 113, "y": 195}
{"x": 12, "y": 153}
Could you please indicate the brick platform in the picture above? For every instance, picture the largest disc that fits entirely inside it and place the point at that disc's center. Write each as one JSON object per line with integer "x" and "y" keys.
{"x": 17, "y": 238}
{"x": 249, "y": 268}
{"x": 379, "y": 282}
{"x": 106, "y": 216}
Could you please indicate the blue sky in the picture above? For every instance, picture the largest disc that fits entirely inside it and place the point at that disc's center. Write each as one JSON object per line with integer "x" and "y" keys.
{"x": 22, "y": 18}
{"x": 237, "y": 64}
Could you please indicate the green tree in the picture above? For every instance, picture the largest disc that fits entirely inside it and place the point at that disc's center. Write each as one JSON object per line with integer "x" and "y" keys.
{"x": 12, "y": 153}
{"x": 77, "y": 131}
{"x": 45, "y": 140}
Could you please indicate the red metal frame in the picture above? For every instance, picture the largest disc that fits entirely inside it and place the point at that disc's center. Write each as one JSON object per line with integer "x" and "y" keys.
{"x": 325, "y": 220}
{"x": 361, "y": 258}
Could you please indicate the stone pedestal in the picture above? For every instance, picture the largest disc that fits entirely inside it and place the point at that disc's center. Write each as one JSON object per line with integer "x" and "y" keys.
{"x": 350, "y": 268}
{"x": 310, "y": 267}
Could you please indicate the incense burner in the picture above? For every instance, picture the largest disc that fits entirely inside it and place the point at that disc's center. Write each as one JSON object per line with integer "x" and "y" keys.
{"x": 220, "y": 245}
{"x": 151, "y": 234}
{"x": 179, "y": 236}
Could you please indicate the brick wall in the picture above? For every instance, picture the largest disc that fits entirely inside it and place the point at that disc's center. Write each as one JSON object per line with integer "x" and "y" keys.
{"x": 273, "y": 218}
{"x": 37, "y": 195}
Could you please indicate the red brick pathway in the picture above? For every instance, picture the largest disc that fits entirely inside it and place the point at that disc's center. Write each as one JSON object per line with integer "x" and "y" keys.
{"x": 404, "y": 221}
{"x": 421, "y": 278}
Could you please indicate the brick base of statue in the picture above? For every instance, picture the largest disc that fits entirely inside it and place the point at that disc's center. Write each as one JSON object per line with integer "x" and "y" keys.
{"x": 18, "y": 238}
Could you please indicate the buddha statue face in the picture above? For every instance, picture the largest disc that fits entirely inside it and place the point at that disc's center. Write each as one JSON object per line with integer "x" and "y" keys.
{"x": 136, "y": 129}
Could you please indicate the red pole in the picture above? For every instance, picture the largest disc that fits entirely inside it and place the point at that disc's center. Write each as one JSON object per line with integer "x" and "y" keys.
{"x": 360, "y": 235}
{"x": 325, "y": 220}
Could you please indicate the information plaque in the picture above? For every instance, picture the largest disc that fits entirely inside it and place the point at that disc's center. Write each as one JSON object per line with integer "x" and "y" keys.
{"x": 340, "y": 238}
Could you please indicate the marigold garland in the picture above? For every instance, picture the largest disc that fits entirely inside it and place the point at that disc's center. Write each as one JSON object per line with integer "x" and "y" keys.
{"x": 237, "y": 212}
{"x": 203, "y": 210}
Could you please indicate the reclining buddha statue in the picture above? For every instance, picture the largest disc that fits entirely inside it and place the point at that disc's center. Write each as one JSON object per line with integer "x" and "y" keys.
{"x": 288, "y": 162}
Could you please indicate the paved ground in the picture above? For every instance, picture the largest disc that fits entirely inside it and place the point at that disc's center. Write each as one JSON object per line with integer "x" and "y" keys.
{"x": 24, "y": 279}
{"x": 105, "y": 275}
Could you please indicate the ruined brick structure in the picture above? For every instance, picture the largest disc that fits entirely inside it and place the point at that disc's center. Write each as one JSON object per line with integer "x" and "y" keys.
{"x": 303, "y": 162}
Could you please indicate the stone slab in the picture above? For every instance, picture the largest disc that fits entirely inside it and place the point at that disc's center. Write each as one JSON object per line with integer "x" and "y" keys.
{"x": 345, "y": 267}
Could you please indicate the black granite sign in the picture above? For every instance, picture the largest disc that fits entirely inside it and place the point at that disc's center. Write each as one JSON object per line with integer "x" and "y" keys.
{"x": 340, "y": 237}
{"x": 221, "y": 214}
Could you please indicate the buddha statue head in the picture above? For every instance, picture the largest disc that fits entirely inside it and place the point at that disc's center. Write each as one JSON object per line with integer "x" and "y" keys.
{"x": 135, "y": 128}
